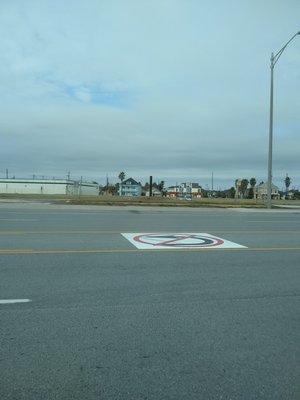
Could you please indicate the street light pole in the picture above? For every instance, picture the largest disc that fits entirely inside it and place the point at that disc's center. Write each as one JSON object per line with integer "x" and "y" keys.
{"x": 270, "y": 157}
{"x": 274, "y": 59}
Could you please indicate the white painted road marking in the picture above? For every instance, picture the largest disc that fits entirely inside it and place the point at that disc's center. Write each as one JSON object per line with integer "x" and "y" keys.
{"x": 158, "y": 241}
{"x": 12, "y": 301}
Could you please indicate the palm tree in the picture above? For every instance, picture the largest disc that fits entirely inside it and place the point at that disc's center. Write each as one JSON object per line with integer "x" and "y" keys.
{"x": 251, "y": 191}
{"x": 287, "y": 183}
{"x": 252, "y": 182}
{"x": 244, "y": 185}
{"x": 161, "y": 185}
{"x": 121, "y": 176}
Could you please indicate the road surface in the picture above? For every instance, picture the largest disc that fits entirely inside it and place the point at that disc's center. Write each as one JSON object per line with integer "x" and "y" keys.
{"x": 84, "y": 314}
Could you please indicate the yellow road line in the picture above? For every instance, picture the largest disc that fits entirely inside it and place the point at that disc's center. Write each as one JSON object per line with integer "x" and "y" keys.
{"x": 101, "y": 251}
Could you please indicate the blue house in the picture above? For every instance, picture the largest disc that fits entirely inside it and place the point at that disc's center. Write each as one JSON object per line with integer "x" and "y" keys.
{"x": 130, "y": 187}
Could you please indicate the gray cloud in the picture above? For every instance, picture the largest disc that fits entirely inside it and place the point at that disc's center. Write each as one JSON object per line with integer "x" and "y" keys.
{"x": 176, "y": 89}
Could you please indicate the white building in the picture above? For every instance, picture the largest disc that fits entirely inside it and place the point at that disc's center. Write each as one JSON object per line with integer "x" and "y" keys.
{"x": 190, "y": 189}
{"x": 261, "y": 191}
{"x": 49, "y": 186}
{"x": 187, "y": 189}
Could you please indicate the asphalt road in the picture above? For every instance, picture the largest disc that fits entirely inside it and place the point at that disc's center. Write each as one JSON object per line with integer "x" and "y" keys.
{"x": 108, "y": 321}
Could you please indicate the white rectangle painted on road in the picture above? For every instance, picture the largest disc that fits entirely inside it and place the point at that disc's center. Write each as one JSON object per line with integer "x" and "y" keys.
{"x": 157, "y": 241}
{"x": 13, "y": 301}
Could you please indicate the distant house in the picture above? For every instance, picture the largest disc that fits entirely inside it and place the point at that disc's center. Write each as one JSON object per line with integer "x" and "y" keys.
{"x": 191, "y": 189}
{"x": 290, "y": 195}
{"x": 187, "y": 189}
{"x": 261, "y": 191}
{"x": 130, "y": 188}
{"x": 155, "y": 192}
{"x": 173, "y": 191}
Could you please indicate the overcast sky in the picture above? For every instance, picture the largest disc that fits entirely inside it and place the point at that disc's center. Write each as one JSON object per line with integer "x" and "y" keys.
{"x": 172, "y": 88}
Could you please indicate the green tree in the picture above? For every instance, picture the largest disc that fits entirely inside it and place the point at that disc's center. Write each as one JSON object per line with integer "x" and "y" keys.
{"x": 112, "y": 189}
{"x": 244, "y": 186}
{"x": 161, "y": 186}
{"x": 297, "y": 194}
{"x": 121, "y": 176}
{"x": 251, "y": 190}
{"x": 287, "y": 182}
{"x": 231, "y": 192}
{"x": 252, "y": 182}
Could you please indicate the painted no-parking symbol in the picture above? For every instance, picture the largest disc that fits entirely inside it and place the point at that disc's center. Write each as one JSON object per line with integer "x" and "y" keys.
{"x": 158, "y": 241}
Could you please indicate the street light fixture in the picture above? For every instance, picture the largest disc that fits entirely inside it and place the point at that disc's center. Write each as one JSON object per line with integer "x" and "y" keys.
{"x": 274, "y": 59}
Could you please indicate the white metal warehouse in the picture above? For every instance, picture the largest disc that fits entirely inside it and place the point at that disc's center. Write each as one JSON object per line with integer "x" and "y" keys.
{"x": 49, "y": 186}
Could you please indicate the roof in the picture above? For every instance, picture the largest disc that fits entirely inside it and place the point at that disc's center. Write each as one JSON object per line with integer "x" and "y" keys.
{"x": 48, "y": 181}
{"x": 154, "y": 190}
{"x": 265, "y": 186}
{"x": 130, "y": 181}
{"x": 191, "y": 184}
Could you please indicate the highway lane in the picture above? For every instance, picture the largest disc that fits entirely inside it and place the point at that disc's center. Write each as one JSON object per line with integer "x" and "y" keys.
{"x": 75, "y": 227}
{"x": 129, "y": 324}
{"x": 51, "y": 217}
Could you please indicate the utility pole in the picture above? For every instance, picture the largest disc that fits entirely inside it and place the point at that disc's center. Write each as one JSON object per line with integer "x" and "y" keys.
{"x": 270, "y": 154}
{"x": 6, "y": 172}
{"x": 212, "y": 181}
{"x": 274, "y": 59}
{"x": 150, "y": 187}
{"x": 107, "y": 183}
{"x": 80, "y": 186}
